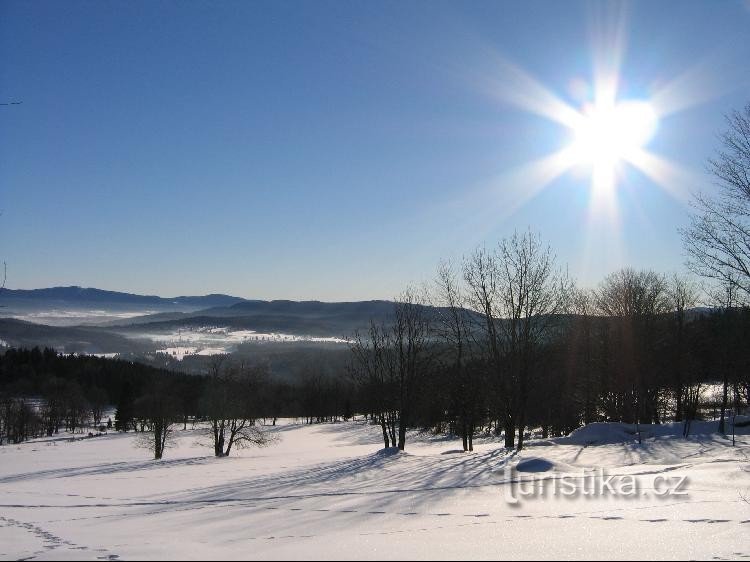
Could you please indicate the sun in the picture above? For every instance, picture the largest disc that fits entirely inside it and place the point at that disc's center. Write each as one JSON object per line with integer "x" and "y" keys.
{"x": 605, "y": 134}
{"x": 608, "y": 130}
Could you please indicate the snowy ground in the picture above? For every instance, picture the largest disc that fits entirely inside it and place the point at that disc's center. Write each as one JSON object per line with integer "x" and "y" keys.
{"x": 327, "y": 491}
{"x": 208, "y": 340}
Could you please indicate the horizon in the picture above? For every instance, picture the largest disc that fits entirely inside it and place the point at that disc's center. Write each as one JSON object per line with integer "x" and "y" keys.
{"x": 700, "y": 304}
{"x": 340, "y": 154}
{"x": 248, "y": 299}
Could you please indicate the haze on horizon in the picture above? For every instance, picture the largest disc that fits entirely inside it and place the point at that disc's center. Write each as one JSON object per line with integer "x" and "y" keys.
{"x": 337, "y": 151}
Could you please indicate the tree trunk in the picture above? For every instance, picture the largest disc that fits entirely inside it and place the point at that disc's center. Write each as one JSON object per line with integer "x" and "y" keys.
{"x": 724, "y": 402}
{"x": 521, "y": 428}
{"x": 386, "y": 440}
{"x": 402, "y": 435}
{"x": 219, "y": 446}
{"x": 510, "y": 433}
{"x": 158, "y": 443}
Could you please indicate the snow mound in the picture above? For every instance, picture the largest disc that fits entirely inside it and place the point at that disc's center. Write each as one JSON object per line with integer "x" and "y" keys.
{"x": 535, "y": 464}
{"x": 600, "y": 433}
{"x": 608, "y": 433}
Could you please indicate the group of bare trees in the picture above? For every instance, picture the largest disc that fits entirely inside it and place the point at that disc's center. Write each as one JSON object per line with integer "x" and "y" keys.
{"x": 519, "y": 295}
{"x": 232, "y": 406}
{"x": 43, "y": 393}
{"x": 230, "y": 409}
{"x": 17, "y": 420}
{"x": 487, "y": 325}
{"x": 718, "y": 238}
{"x": 392, "y": 362}
{"x": 59, "y": 405}
{"x": 512, "y": 344}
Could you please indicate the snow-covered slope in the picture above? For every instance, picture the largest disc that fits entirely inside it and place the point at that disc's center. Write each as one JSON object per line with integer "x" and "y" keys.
{"x": 329, "y": 491}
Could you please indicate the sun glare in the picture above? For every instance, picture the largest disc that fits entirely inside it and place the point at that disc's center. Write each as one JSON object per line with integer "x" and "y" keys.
{"x": 609, "y": 134}
{"x": 604, "y": 135}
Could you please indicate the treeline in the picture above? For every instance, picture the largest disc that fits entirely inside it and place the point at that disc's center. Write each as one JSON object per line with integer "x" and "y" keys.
{"x": 516, "y": 345}
{"x": 43, "y": 393}
{"x": 501, "y": 344}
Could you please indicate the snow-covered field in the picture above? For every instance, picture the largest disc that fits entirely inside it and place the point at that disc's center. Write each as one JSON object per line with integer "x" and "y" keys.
{"x": 212, "y": 340}
{"x": 329, "y": 491}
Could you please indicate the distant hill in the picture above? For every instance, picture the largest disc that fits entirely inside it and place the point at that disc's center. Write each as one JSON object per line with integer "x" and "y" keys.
{"x": 76, "y": 319}
{"x": 73, "y": 306}
{"x": 87, "y": 296}
{"x": 299, "y": 318}
{"x": 17, "y": 333}
{"x": 99, "y": 321}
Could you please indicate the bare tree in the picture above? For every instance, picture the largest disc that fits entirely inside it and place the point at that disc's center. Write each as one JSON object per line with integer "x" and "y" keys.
{"x": 157, "y": 410}
{"x": 98, "y": 401}
{"x": 630, "y": 293}
{"x": 390, "y": 364}
{"x": 518, "y": 291}
{"x": 581, "y": 353}
{"x": 718, "y": 238}
{"x": 231, "y": 405}
{"x": 411, "y": 338}
{"x": 691, "y": 403}
{"x": 454, "y": 326}
{"x": 481, "y": 274}
{"x": 532, "y": 294}
{"x": 373, "y": 369}
{"x": 634, "y": 300}
{"x": 725, "y": 297}
{"x": 682, "y": 294}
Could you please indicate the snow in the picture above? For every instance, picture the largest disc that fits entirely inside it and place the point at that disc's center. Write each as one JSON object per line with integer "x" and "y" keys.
{"x": 179, "y": 352}
{"x": 603, "y": 433}
{"x": 331, "y": 491}
{"x": 207, "y": 340}
{"x": 104, "y": 355}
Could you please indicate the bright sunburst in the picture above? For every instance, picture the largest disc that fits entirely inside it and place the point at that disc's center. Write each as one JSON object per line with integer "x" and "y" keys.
{"x": 608, "y": 133}
{"x": 604, "y": 135}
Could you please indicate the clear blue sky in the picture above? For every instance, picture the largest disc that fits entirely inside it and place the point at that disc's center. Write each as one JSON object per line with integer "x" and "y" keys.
{"x": 333, "y": 151}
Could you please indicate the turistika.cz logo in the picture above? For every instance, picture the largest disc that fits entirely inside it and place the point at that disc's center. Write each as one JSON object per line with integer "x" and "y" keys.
{"x": 589, "y": 483}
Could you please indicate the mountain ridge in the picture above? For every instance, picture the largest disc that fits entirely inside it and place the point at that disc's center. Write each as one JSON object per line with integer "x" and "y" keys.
{"x": 78, "y": 294}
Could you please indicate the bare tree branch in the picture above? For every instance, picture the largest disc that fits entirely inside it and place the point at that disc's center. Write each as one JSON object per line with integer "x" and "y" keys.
{"x": 717, "y": 241}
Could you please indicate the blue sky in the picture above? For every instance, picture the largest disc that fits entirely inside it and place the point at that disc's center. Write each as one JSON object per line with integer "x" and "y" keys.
{"x": 332, "y": 150}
